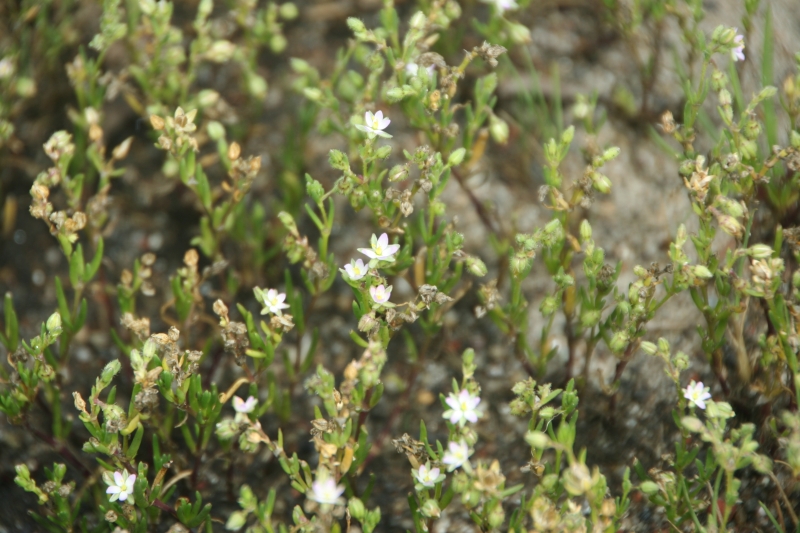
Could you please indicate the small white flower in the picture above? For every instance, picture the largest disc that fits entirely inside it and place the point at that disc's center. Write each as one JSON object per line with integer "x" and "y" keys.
{"x": 502, "y": 5}
{"x": 122, "y": 487}
{"x": 326, "y": 491}
{"x": 427, "y": 477}
{"x": 696, "y": 393}
{"x": 381, "y": 249}
{"x": 273, "y": 302}
{"x": 456, "y": 455}
{"x": 737, "y": 52}
{"x": 462, "y": 407}
{"x": 374, "y": 124}
{"x": 242, "y": 406}
{"x": 356, "y": 269}
{"x": 380, "y": 293}
{"x": 412, "y": 69}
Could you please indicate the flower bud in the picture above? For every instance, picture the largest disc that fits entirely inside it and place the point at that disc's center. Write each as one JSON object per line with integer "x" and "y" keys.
{"x": 519, "y": 33}
{"x": 417, "y": 21}
{"x": 236, "y": 521}
{"x": 649, "y": 488}
{"x": 54, "y": 323}
{"x": 794, "y": 139}
{"x": 619, "y": 341}
{"x": 498, "y": 128}
{"x": 338, "y": 160}
{"x": 313, "y": 94}
{"x": 110, "y": 370}
{"x": 496, "y": 516}
{"x": 590, "y": 318}
{"x": 220, "y": 51}
{"x": 601, "y": 183}
{"x": 610, "y": 153}
{"x": 748, "y": 149}
{"x": 567, "y": 136}
{"x": 686, "y": 168}
{"x": 471, "y": 499}
{"x": 663, "y": 345}
{"x": 357, "y": 509}
{"x": 520, "y": 265}
{"x": 760, "y": 251}
{"x": 314, "y": 188}
{"x": 680, "y": 361}
{"x": 752, "y": 129}
{"x": 702, "y": 272}
{"x": 553, "y": 227}
{"x": 586, "y": 231}
{"x": 356, "y": 26}
{"x": 648, "y": 347}
{"x": 476, "y": 266}
{"x": 537, "y": 440}
{"x": 395, "y": 94}
{"x": 257, "y": 86}
{"x": 383, "y": 152}
{"x": 547, "y": 413}
{"x": 718, "y": 80}
{"x": 430, "y": 509}
{"x": 548, "y": 306}
{"x": 207, "y": 98}
{"x": 456, "y": 157}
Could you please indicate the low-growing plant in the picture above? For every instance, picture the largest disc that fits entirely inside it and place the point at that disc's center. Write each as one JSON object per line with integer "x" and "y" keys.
{"x": 227, "y": 366}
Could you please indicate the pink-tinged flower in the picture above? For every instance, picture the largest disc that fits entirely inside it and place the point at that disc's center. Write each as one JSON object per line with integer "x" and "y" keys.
{"x": 737, "y": 52}
{"x": 380, "y": 248}
{"x": 462, "y": 408}
{"x": 374, "y": 125}
{"x": 456, "y": 455}
{"x": 273, "y": 302}
{"x": 380, "y": 293}
{"x": 696, "y": 393}
{"x": 426, "y": 476}
{"x": 122, "y": 487}
{"x": 356, "y": 269}
{"x": 242, "y": 406}
{"x": 326, "y": 491}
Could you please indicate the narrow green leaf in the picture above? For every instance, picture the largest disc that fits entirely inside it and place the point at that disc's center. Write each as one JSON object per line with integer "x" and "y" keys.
{"x": 92, "y": 268}
{"x": 63, "y": 308}
{"x": 767, "y": 78}
{"x": 137, "y": 441}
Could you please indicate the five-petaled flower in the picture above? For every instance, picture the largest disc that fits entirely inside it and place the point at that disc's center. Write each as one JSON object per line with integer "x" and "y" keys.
{"x": 326, "y": 491}
{"x": 356, "y": 269}
{"x": 381, "y": 249}
{"x": 696, "y": 393}
{"x": 737, "y": 52}
{"x": 242, "y": 406}
{"x": 122, "y": 487}
{"x": 426, "y": 476}
{"x": 273, "y": 302}
{"x": 380, "y": 293}
{"x": 462, "y": 408}
{"x": 456, "y": 455}
{"x": 374, "y": 124}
